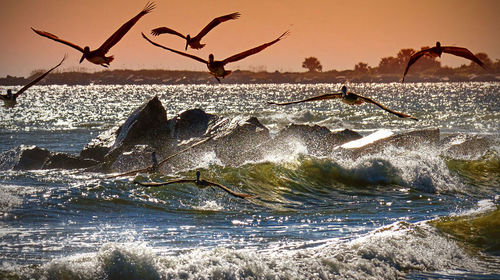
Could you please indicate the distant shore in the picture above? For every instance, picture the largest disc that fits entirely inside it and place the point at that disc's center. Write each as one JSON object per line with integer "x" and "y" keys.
{"x": 169, "y": 77}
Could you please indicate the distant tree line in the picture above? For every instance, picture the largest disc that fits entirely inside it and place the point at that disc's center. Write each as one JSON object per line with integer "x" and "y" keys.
{"x": 426, "y": 65}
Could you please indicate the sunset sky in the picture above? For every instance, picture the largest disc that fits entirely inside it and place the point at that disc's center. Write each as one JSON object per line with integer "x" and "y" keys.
{"x": 339, "y": 33}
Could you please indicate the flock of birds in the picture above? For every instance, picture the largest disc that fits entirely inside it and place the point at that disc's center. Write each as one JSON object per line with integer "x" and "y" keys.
{"x": 216, "y": 67}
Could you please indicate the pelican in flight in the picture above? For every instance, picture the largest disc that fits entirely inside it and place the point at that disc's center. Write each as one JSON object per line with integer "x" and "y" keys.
{"x": 438, "y": 50}
{"x": 348, "y": 98}
{"x": 216, "y": 67}
{"x": 199, "y": 183}
{"x": 10, "y": 100}
{"x": 194, "y": 42}
{"x": 98, "y": 56}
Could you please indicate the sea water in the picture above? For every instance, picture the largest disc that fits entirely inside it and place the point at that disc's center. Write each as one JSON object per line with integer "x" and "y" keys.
{"x": 419, "y": 213}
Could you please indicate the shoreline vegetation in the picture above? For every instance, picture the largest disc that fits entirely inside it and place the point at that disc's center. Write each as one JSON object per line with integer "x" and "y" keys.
{"x": 389, "y": 70}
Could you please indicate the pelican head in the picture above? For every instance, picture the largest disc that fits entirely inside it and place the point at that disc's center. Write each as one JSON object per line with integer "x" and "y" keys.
{"x": 344, "y": 90}
{"x": 188, "y": 39}
{"x": 86, "y": 51}
{"x": 198, "y": 177}
{"x": 438, "y": 44}
{"x": 211, "y": 58}
{"x": 9, "y": 93}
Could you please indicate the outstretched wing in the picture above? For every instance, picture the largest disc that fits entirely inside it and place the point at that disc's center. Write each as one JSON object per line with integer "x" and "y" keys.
{"x": 229, "y": 191}
{"x": 118, "y": 35}
{"x": 157, "y": 184}
{"x": 315, "y": 98}
{"x": 414, "y": 57}
{"x": 465, "y": 53}
{"x": 399, "y": 114}
{"x": 38, "y": 79}
{"x": 163, "y": 30}
{"x": 255, "y": 50}
{"x": 57, "y": 39}
{"x": 214, "y": 23}
{"x": 178, "y": 52}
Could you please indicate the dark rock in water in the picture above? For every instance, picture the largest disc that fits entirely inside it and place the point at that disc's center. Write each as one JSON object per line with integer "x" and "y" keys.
{"x": 241, "y": 141}
{"x": 467, "y": 146}
{"x": 192, "y": 123}
{"x": 99, "y": 146}
{"x": 137, "y": 158}
{"x": 409, "y": 140}
{"x": 65, "y": 161}
{"x": 23, "y": 158}
{"x": 318, "y": 140}
{"x": 146, "y": 125}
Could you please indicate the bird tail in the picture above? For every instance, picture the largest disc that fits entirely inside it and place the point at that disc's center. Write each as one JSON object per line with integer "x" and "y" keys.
{"x": 109, "y": 59}
{"x": 226, "y": 73}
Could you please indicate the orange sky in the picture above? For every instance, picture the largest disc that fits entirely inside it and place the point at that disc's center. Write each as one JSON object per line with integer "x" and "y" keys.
{"x": 338, "y": 33}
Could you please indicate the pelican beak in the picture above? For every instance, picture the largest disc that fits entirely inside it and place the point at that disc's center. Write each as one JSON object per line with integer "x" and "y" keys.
{"x": 187, "y": 44}
{"x": 83, "y": 57}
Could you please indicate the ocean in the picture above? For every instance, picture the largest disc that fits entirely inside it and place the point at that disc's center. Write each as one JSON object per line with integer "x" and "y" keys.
{"x": 425, "y": 212}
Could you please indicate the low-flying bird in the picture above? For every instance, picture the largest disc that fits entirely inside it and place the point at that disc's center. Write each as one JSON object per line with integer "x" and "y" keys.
{"x": 194, "y": 42}
{"x": 197, "y": 182}
{"x": 438, "y": 50}
{"x": 10, "y": 99}
{"x": 348, "y": 98}
{"x": 216, "y": 67}
{"x": 98, "y": 56}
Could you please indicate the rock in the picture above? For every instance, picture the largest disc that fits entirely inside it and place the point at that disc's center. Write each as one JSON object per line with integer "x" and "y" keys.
{"x": 24, "y": 158}
{"x": 318, "y": 140}
{"x": 409, "y": 140}
{"x": 66, "y": 161}
{"x": 99, "y": 146}
{"x": 192, "y": 123}
{"x": 136, "y": 158}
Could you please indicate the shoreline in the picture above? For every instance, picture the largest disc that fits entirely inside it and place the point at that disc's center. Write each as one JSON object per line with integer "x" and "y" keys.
{"x": 170, "y": 77}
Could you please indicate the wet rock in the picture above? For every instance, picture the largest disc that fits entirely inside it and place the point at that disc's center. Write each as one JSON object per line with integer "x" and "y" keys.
{"x": 137, "y": 158}
{"x": 318, "y": 140}
{"x": 409, "y": 140}
{"x": 24, "y": 158}
{"x": 192, "y": 123}
{"x": 66, "y": 161}
{"x": 148, "y": 124}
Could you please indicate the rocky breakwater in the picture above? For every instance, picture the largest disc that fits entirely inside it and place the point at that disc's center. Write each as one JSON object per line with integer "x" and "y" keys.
{"x": 194, "y": 136}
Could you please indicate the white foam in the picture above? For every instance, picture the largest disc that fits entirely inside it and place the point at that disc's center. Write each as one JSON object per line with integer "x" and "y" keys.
{"x": 379, "y": 134}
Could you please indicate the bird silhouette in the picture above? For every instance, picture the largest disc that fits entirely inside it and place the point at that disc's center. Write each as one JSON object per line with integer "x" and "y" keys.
{"x": 438, "y": 50}
{"x": 194, "y": 42}
{"x": 348, "y": 98}
{"x": 216, "y": 67}
{"x": 10, "y": 100}
{"x": 98, "y": 56}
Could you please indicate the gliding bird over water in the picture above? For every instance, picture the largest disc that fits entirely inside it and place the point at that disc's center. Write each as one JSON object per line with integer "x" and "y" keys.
{"x": 348, "y": 98}
{"x": 438, "y": 50}
{"x": 216, "y": 67}
{"x": 10, "y": 100}
{"x": 194, "y": 42}
{"x": 199, "y": 183}
{"x": 98, "y": 56}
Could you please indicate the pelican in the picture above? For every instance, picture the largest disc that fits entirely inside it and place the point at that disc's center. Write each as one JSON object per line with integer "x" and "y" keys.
{"x": 10, "y": 100}
{"x": 194, "y": 42}
{"x": 197, "y": 182}
{"x": 348, "y": 98}
{"x": 216, "y": 67}
{"x": 98, "y": 56}
{"x": 438, "y": 50}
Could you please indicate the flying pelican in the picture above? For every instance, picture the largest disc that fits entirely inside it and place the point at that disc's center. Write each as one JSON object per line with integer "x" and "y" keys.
{"x": 197, "y": 182}
{"x": 348, "y": 98}
{"x": 10, "y": 99}
{"x": 98, "y": 56}
{"x": 438, "y": 50}
{"x": 216, "y": 67}
{"x": 194, "y": 42}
